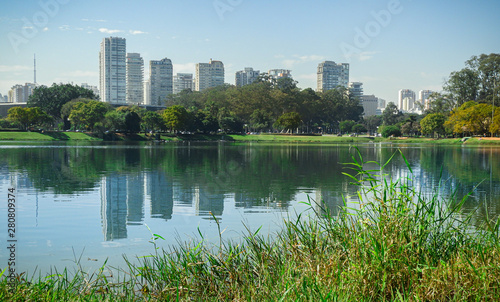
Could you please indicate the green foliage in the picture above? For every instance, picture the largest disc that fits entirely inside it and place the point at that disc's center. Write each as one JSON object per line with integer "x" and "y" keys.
{"x": 433, "y": 123}
{"x": 358, "y": 128}
{"x": 152, "y": 121}
{"x": 27, "y": 117}
{"x": 87, "y": 114}
{"x": 471, "y": 118}
{"x": 391, "y": 130}
{"x": 176, "y": 118}
{"x": 51, "y": 99}
{"x": 289, "y": 121}
{"x": 346, "y": 126}
{"x": 391, "y": 114}
{"x": 132, "y": 122}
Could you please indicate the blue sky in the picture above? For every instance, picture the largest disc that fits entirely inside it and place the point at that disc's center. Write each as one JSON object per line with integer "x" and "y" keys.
{"x": 390, "y": 44}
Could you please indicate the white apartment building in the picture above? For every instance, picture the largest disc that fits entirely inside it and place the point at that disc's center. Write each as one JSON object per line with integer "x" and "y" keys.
{"x": 406, "y": 100}
{"x": 147, "y": 92}
{"x": 112, "y": 70}
{"x": 135, "y": 79}
{"x": 279, "y": 73}
{"x": 356, "y": 89}
{"x": 20, "y": 93}
{"x": 183, "y": 81}
{"x": 94, "y": 89}
{"x": 245, "y": 77}
{"x": 424, "y": 96}
{"x": 330, "y": 75}
{"x": 209, "y": 75}
{"x": 161, "y": 78}
{"x": 370, "y": 104}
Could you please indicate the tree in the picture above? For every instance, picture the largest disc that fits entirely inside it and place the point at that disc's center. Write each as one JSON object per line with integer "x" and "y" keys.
{"x": 66, "y": 110}
{"x": 132, "y": 122}
{"x": 51, "y": 99}
{"x": 358, "y": 128}
{"x": 463, "y": 86}
{"x": 19, "y": 115}
{"x": 175, "y": 117}
{"x": 88, "y": 114}
{"x": 114, "y": 120}
{"x": 372, "y": 122}
{"x": 152, "y": 121}
{"x": 472, "y": 118}
{"x": 391, "y": 130}
{"x": 346, "y": 126}
{"x": 260, "y": 119}
{"x": 391, "y": 114}
{"x": 433, "y": 124}
{"x": 288, "y": 121}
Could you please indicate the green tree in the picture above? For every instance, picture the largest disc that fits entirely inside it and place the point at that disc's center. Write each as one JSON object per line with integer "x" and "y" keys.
{"x": 260, "y": 120}
{"x": 288, "y": 121}
{"x": 132, "y": 122}
{"x": 346, "y": 126}
{"x": 88, "y": 114}
{"x": 471, "y": 118}
{"x": 176, "y": 117}
{"x": 391, "y": 114}
{"x": 19, "y": 115}
{"x": 391, "y": 130}
{"x": 114, "y": 120}
{"x": 372, "y": 123}
{"x": 152, "y": 121}
{"x": 51, "y": 99}
{"x": 433, "y": 124}
{"x": 358, "y": 128}
{"x": 66, "y": 110}
{"x": 463, "y": 86}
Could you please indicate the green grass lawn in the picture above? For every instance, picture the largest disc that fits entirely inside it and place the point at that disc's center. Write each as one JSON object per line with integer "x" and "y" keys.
{"x": 47, "y": 136}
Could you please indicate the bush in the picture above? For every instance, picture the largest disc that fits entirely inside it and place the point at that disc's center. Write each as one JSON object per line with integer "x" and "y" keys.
{"x": 391, "y": 131}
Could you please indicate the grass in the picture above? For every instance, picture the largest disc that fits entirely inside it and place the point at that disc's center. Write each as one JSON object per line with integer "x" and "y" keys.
{"x": 394, "y": 245}
{"x": 46, "y": 136}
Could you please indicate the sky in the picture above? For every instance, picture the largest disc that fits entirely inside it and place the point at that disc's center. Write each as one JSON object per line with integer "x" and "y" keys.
{"x": 389, "y": 44}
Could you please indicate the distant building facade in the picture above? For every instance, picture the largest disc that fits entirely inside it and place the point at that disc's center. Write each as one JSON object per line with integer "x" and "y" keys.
{"x": 406, "y": 100}
{"x": 94, "y": 89}
{"x": 209, "y": 75}
{"x": 356, "y": 89}
{"x": 424, "y": 96}
{"x": 370, "y": 104}
{"x": 112, "y": 70}
{"x": 183, "y": 81}
{"x": 20, "y": 93}
{"x": 246, "y": 76}
{"x": 279, "y": 73}
{"x": 135, "y": 79}
{"x": 161, "y": 77}
{"x": 330, "y": 75}
{"x": 147, "y": 92}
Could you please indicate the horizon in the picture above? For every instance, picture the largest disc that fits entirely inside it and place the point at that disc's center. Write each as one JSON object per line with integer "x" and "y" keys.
{"x": 389, "y": 45}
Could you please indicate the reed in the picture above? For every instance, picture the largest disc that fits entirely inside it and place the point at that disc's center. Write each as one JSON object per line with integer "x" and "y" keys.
{"x": 394, "y": 244}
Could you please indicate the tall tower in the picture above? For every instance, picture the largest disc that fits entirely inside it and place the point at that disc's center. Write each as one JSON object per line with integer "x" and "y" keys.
{"x": 330, "y": 75}
{"x": 209, "y": 75}
{"x": 135, "y": 79}
{"x": 161, "y": 77}
{"x": 112, "y": 70}
{"x": 34, "y": 69}
{"x": 406, "y": 100}
{"x": 247, "y": 76}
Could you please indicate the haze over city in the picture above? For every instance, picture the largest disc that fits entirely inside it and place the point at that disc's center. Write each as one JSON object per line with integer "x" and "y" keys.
{"x": 390, "y": 45}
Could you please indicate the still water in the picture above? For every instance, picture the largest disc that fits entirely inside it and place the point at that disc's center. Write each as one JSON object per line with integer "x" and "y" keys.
{"x": 92, "y": 202}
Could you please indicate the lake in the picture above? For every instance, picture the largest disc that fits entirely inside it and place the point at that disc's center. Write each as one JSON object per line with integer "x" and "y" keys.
{"x": 96, "y": 201}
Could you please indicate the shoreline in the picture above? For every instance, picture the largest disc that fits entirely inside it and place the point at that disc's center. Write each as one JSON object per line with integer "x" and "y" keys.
{"x": 258, "y": 138}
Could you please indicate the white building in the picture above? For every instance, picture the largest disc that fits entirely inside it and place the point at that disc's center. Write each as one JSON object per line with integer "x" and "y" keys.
{"x": 147, "y": 92}
{"x": 20, "y": 93}
{"x": 330, "y": 75}
{"x": 279, "y": 73}
{"x": 381, "y": 103}
{"x": 209, "y": 75}
{"x": 183, "y": 81}
{"x": 112, "y": 70}
{"x": 406, "y": 100}
{"x": 245, "y": 77}
{"x": 356, "y": 89}
{"x": 370, "y": 104}
{"x": 94, "y": 89}
{"x": 161, "y": 78}
{"x": 424, "y": 96}
{"x": 135, "y": 79}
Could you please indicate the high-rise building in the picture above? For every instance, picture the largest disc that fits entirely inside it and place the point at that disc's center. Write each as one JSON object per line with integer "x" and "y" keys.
{"x": 406, "y": 100}
{"x": 356, "y": 89}
{"x": 183, "y": 81}
{"x": 112, "y": 70}
{"x": 161, "y": 78}
{"x": 135, "y": 79}
{"x": 370, "y": 104}
{"x": 94, "y": 89}
{"x": 330, "y": 75}
{"x": 279, "y": 73}
{"x": 245, "y": 77}
{"x": 381, "y": 103}
{"x": 147, "y": 92}
{"x": 209, "y": 75}
{"x": 20, "y": 93}
{"x": 424, "y": 96}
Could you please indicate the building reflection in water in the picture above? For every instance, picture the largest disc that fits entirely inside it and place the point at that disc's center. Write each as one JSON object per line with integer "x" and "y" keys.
{"x": 114, "y": 206}
{"x": 160, "y": 191}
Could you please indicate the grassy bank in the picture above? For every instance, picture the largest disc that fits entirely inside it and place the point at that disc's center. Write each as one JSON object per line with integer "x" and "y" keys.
{"x": 398, "y": 246}
{"x": 46, "y": 136}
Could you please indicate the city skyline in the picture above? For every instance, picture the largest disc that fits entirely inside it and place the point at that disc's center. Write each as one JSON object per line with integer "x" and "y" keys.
{"x": 380, "y": 40}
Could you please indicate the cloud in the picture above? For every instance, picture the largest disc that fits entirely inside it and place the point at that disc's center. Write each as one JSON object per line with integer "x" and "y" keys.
{"x": 290, "y": 63}
{"x": 81, "y": 73}
{"x": 64, "y": 27}
{"x": 110, "y": 31}
{"x": 14, "y": 68}
{"x": 137, "y": 32}
{"x": 185, "y": 68}
{"x": 45, "y": 29}
{"x": 94, "y": 20}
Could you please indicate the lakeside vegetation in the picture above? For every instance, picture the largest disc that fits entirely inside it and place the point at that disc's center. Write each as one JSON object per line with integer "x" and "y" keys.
{"x": 394, "y": 245}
